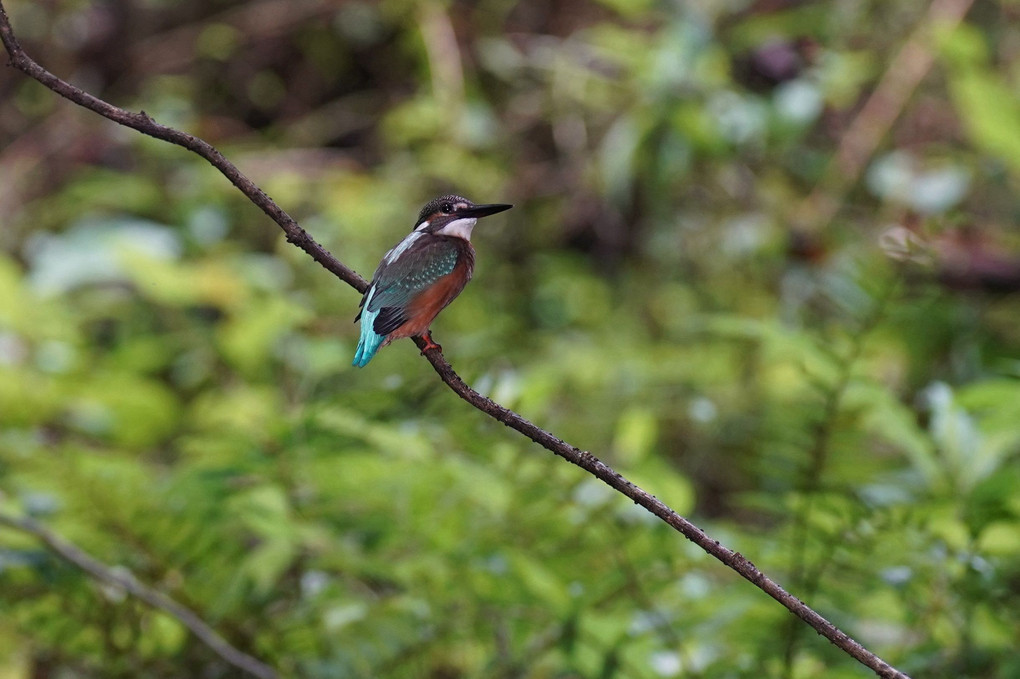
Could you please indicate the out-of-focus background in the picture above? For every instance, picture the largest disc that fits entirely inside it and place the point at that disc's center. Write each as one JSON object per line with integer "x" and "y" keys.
{"x": 806, "y": 342}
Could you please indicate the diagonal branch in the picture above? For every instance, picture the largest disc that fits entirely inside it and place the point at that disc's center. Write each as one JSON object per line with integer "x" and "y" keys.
{"x": 146, "y": 125}
{"x": 582, "y": 458}
{"x": 100, "y": 571}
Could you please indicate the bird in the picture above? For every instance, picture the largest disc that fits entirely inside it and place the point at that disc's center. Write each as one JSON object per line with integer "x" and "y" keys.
{"x": 420, "y": 275}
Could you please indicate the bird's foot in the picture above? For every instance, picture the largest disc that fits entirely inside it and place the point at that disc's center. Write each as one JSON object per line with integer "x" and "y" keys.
{"x": 429, "y": 344}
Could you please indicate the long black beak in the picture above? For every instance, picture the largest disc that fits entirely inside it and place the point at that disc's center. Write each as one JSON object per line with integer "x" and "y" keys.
{"x": 483, "y": 210}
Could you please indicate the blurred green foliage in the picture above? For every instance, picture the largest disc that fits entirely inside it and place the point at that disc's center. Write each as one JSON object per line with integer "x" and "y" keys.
{"x": 838, "y": 401}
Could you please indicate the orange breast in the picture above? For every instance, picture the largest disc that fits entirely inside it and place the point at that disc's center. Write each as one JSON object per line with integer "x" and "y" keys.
{"x": 426, "y": 306}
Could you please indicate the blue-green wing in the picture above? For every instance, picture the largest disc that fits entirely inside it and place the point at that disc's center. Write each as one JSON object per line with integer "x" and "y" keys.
{"x": 397, "y": 283}
{"x": 400, "y": 280}
{"x": 407, "y": 270}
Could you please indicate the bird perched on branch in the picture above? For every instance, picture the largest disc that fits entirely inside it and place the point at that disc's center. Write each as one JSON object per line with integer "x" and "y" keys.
{"x": 421, "y": 275}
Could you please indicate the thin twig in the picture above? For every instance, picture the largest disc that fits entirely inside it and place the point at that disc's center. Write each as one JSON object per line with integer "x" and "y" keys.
{"x": 120, "y": 578}
{"x": 610, "y": 477}
{"x": 582, "y": 458}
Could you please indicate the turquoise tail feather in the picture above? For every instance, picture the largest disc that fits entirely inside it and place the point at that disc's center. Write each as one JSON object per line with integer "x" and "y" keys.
{"x": 370, "y": 340}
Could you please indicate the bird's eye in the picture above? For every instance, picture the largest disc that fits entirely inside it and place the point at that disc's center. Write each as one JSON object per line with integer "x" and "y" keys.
{"x": 446, "y": 208}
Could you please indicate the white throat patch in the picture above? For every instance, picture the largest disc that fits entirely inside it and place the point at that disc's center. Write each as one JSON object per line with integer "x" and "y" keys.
{"x": 459, "y": 227}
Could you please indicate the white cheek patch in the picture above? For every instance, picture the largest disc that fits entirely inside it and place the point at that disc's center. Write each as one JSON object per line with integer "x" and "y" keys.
{"x": 459, "y": 227}
{"x": 402, "y": 246}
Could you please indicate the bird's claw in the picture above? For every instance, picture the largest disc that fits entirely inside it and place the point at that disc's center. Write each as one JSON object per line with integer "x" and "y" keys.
{"x": 430, "y": 344}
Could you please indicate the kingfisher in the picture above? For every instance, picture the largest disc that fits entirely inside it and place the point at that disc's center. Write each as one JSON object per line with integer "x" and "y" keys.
{"x": 420, "y": 275}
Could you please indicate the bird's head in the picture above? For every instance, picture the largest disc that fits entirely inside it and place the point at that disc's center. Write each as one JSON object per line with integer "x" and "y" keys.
{"x": 454, "y": 216}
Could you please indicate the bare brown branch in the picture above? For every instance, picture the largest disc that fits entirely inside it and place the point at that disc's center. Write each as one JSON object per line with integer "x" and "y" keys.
{"x": 146, "y": 125}
{"x": 583, "y": 459}
{"x": 100, "y": 571}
